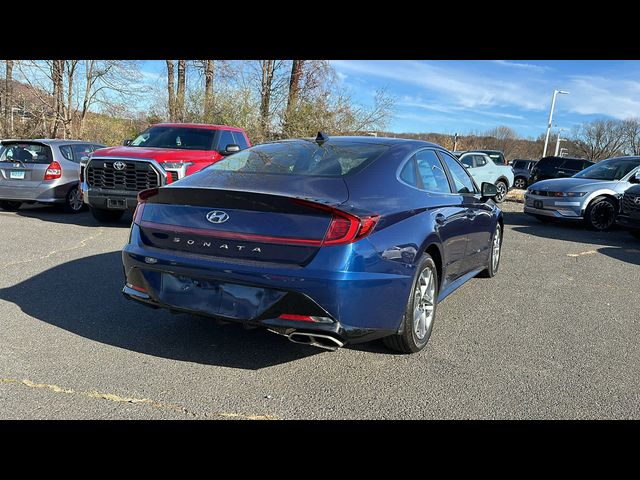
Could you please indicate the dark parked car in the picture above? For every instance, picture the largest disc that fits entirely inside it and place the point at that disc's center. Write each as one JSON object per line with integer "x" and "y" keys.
{"x": 325, "y": 241}
{"x": 557, "y": 167}
{"x": 629, "y": 216}
{"x": 521, "y": 172}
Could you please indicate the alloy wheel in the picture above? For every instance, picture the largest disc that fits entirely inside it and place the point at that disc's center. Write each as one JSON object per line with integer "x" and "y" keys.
{"x": 424, "y": 303}
{"x": 603, "y": 215}
{"x": 520, "y": 183}
{"x": 75, "y": 200}
{"x": 502, "y": 191}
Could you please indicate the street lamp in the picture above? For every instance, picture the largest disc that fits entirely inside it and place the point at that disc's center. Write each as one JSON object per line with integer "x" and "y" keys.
{"x": 558, "y": 140}
{"x": 553, "y": 104}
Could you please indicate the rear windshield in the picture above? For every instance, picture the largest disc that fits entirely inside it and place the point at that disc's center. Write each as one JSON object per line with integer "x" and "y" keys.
{"x": 176, "y": 137}
{"x": 613, "y": 169}
{"x": 25, "y": 153}
{"x": 302, "y": 158}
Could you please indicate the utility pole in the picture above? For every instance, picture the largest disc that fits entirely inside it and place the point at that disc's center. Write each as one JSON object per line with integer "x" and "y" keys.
{"x": 558, "y": 140}
{"x": 455, "y": 142}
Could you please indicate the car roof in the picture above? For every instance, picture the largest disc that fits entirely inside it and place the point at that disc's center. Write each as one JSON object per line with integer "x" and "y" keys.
{"x": 48, "y": 141}
{"x": 206, "y": 126}
{"x": 365, "y": 140}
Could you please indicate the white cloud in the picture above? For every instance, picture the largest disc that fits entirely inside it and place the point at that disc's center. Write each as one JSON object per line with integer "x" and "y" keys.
{"x": 528, "y": 66}
{"x": 458, "y": 87}
{"x": 594, "y": 95}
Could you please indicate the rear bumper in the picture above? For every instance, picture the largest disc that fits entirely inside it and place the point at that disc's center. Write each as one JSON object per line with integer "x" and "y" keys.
{"x": 54, "y": 193}
{"x": 362, "y": 306}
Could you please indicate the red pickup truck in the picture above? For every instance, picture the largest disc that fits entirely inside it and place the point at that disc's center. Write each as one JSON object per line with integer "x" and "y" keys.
{"x": 111, "y": 177}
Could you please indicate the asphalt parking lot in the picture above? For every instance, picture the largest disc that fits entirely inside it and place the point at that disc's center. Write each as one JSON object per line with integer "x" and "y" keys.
{"x": 554, "y": 335}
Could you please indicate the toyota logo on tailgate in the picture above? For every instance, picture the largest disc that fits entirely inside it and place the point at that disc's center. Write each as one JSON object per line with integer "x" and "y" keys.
{"x": 217, "y": 216}
{"x": 119, "y": 165}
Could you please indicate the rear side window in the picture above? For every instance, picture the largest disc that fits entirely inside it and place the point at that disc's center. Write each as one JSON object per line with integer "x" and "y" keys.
{"x": 26, "y": 153}
{"x": 518, "y": 164}
{"x": 408, "y": 174}
{"x": 80, "y": 151}
{"x": 240, "y": 140}
{"x": 461, "y": 179}
{"x": 226, "y": 138}
{"x": 302, "y": 158}
{"x": 467, "y": 160}
{"x": 573, "y": 164}
{"x": 66, "y": 152}
{"x": 432, "y": 176}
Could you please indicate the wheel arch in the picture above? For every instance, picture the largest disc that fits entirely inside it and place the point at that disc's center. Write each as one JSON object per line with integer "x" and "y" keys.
{"x": 610, "y": 194}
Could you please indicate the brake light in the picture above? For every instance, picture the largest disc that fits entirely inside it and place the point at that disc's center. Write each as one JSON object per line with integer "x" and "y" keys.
{"x": 54, "y": 171}
{"x": 305, "y": 318}
{"x": 344, "y": 227}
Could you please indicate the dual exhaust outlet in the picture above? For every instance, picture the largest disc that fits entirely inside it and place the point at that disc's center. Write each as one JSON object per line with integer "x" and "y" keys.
{"x": 319, "y": 340}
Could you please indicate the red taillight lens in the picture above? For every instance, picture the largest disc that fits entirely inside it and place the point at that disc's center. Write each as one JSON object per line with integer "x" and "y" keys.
{"x": 54, "y": 171}
{"x": 344, "y": 227}
{"x": 300, "y": 318}
{"x": 143, "y": 196}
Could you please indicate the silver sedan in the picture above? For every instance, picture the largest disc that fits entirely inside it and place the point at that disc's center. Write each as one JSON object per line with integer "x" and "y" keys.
{"x": 42, "y": 171}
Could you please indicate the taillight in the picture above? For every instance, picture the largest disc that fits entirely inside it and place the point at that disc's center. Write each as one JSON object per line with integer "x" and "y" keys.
{"x": 142, "y": 198}
{"x": 344, "y": 227}
{"x": 54, "y": 170}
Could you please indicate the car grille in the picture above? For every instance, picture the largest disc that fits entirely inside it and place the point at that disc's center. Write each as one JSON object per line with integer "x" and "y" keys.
{"x": 629, "y": 206}
{"x": 135, "y": 176}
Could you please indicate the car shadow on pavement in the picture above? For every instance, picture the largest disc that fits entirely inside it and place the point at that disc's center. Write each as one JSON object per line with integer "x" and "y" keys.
{"x": 53, "y": 214}
{"x": 83, "y": 297}
{"x": 620, "y": 244}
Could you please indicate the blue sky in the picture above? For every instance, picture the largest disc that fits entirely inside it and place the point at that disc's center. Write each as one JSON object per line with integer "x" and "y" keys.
{"x": 475, "y": 95}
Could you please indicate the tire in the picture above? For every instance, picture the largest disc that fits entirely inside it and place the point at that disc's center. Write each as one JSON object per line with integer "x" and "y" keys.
{"x": 544, "y": 219}
{"x": 417, "y": 328}
{"x": 502, "y": 191}
{"x": 520, "y": 182}
{"x": 10, "y": 206}
{"x": 600, "y": 214}
{"x": 73, "y": 202}
{"x": 106, "y": 216}
{"x": 496, "y": 254}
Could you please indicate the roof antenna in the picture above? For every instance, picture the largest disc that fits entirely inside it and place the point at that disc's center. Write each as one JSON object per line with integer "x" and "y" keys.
{"x": 321, "y": 138}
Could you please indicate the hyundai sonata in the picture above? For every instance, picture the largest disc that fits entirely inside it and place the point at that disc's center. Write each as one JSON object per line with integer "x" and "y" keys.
{"x": 325, "y": 241}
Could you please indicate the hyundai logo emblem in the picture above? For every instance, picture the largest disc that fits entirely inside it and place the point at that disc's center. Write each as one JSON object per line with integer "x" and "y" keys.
{"x": 636, "y": 200}
{"x": 217, "y": 216}
{"x": 119, "y": 165}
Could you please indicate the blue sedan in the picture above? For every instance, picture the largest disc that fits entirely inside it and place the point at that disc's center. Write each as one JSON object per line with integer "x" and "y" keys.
{"x": 325, "y": 241}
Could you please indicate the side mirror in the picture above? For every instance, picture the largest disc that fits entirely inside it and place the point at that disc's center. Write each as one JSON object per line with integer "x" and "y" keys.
{"x": 489, "y": 190}
{"x": 127, "y": 142}
{"x": 231, "y": 148}
{"x": 635, "y": 178}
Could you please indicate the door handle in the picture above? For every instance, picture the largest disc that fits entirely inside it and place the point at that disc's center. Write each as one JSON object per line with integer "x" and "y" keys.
{"x": 440, "y": 219}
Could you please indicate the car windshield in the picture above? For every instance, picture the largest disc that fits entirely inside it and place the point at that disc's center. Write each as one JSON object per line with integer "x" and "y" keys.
{"x": 613, "y": 169}
{"x": 176, "y": 137}
{"x": 302, "y": 158}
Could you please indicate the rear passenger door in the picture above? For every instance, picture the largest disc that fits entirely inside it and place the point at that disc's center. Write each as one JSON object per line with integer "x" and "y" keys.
{"x": 479, "y": 228}
{"x": 448, "y": 211}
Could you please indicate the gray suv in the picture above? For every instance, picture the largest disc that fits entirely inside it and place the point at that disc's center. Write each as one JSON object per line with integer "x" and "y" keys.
{"x": 42, "y": 171}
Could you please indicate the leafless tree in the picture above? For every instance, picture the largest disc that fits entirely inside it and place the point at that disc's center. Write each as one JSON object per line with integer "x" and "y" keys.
{"x": 208, "y": 88}
{"x": 294, "y": 88}
{"x": 180, "y": 93}
{"x": 631, "y": 132}
{"x": 599, "y": 139}
{"x": 170, "y": 89}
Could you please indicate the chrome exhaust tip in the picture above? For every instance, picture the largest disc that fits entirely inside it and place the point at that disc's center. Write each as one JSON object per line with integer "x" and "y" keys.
{"x": 316, "y": 339}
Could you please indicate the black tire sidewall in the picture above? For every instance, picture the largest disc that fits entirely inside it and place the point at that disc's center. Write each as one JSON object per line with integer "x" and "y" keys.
{"x": 588, "y": 213}
{"x": 10, "y": 206}
{"x": 67, "y": 202}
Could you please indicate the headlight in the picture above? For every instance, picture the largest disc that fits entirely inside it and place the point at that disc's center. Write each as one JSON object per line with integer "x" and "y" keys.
{"x": 566, "y": 194}
{"x": 176, "y": 165}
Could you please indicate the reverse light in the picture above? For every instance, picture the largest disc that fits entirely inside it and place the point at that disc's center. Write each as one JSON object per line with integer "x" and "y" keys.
{"x": 54, "y": 171}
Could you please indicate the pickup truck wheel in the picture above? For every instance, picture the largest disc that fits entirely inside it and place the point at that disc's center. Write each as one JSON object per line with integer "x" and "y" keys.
{"x": 106, "y": 216}
{"x": 520, "y": 183}
{"x": 10, "y": 206}
{"x": 502, "y": 191}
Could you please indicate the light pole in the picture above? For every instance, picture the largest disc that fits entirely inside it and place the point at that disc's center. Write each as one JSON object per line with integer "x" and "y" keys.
{"x": 553, "y": 104}
{"x": 558, "y": 140}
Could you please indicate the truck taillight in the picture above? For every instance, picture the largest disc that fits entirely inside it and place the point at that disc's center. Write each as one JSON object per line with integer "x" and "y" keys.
{"x": 54, "y": 171}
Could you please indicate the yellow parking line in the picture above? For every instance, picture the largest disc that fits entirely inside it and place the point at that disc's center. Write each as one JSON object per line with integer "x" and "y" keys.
{"x": 117, "y": 398}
